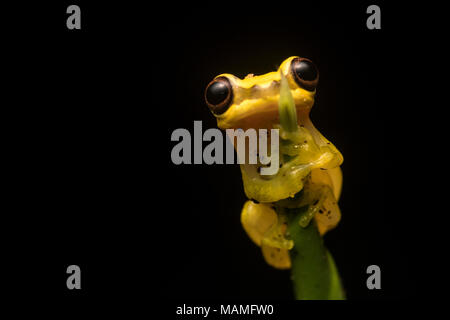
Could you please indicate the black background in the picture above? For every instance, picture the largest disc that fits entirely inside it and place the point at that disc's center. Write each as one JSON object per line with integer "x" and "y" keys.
{"x": 96, "y": 185}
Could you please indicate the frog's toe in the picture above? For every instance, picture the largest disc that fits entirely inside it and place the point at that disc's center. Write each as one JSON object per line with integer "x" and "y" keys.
{"x": 276, "y": 257}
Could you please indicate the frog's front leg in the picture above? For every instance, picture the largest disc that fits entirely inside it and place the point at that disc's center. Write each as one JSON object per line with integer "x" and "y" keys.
{"x": 267, "y": 230}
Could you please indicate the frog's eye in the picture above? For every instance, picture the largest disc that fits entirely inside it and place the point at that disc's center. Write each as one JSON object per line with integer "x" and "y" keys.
{"x": 219, "y": 95}
{"x": 305, "y": 73}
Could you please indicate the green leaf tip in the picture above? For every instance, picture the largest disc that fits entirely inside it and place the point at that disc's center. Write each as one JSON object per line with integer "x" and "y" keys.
{"x": 286, "y": 106}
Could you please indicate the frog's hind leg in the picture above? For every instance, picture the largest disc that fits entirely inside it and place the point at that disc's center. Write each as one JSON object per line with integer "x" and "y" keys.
{"x": 328, "y": 185}
{"x": 335, "y": 175}
{"x": 328, "y": 213}
{"x": 265, "y": 228}
{"x": 257, "y": 219}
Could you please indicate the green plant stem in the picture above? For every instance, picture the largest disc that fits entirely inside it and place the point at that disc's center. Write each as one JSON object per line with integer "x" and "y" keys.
{"x": 314, "y": 273}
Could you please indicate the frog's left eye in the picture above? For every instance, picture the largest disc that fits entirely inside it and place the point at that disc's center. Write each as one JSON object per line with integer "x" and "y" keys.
{"x": 305, "y": 73}
{"x": 219, "y": 95}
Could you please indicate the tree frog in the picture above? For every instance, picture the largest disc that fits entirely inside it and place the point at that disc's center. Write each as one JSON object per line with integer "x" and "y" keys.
{"x": 309, "y": 176}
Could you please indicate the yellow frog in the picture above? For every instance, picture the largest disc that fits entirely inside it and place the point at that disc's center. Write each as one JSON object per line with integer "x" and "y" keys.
{"x": 309, "y": 175}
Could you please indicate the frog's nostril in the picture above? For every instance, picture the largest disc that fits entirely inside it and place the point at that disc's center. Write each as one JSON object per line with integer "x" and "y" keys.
{"x": 219, "y": 95}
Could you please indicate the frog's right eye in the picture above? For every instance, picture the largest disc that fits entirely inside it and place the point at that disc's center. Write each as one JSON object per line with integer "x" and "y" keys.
{"x": 305, "y": 73}
{"x": 219, "y": 95}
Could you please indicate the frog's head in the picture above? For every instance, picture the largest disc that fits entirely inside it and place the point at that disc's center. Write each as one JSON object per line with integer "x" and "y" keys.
{"x": 257, "y": 102}
{"x": 253, "y": 102}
